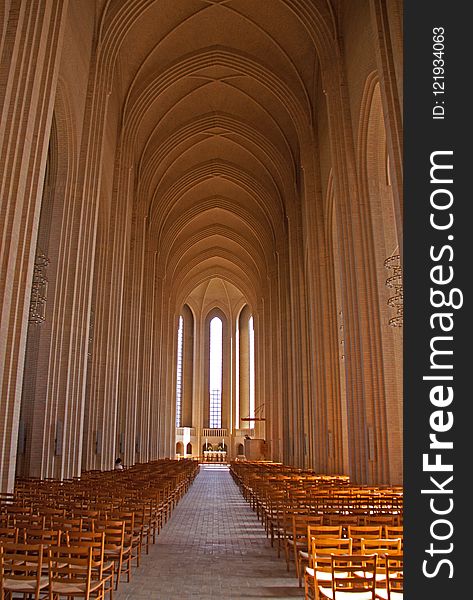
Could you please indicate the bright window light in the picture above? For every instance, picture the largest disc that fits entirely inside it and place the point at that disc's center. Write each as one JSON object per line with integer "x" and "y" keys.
{"x": 179, "y": 373}
{"x": 215, "y": 373}
{"x": 251, "y": 338}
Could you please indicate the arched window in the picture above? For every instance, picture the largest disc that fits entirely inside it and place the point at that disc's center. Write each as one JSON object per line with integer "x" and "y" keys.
{"x": 246, "y": 368}
{"x": 179, "y": 373}
{"x": 215, "y": 373}
{"x": 251, "y": 350}
{"x": 185, "y": 368}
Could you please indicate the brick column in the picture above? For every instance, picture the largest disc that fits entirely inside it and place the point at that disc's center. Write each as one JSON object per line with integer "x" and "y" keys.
{"x": 32, "y": 42}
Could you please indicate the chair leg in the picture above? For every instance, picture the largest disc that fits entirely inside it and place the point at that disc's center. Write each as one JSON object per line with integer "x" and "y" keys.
{"x": 119, "y": 570}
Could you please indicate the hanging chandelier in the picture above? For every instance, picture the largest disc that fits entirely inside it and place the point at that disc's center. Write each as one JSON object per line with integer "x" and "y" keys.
{"x": 394, "y": 282}
{"x": 39, "y": 289}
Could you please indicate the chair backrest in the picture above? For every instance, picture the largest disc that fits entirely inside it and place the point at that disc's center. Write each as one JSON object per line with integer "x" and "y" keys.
{"x": 9, "y": 535}
{"x": 114, "y": 533}
{"x": 394, "y": 569}
{"x": 67, "y": 523}
{"x": 88, "y": 516}
{"x": 39, "y": 535}
{"x": 333, "y": 531}
{"x": 94, "y": 539}
{"x": 359, "y": 532}
{"x": 89, "y": 539}
{"x": 29, "y": 520}
{"x": 321, "y": 549}
{"x": 372, "y": 545}
{"x": 50, "y": 513}
{"x": 301, "y": 523}
{"x": 382, "y": 547}
{"x": 128, "y": 517}
{"x": 21, "y": 567}
{"x": 392, "y": 519}
{"x": 70, "y": 567}
{"x": 344, "y": 520}
{"x": 394, "y": 531}
{"x": 354, "y": 574}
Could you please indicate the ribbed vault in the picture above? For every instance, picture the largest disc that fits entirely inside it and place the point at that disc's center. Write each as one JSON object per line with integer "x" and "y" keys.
{"x": 216, "y": 104}
{"x": 213, "y": 119}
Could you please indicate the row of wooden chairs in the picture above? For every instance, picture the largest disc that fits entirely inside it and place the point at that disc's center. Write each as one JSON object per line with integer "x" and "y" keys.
{"x": 271, "y": 498}
{"x": 79, "y": 570}
{"x": 297, "y": 544}
{"x": 321, "y": 494}
{"x": 77, "y": 513}
{"x": 341, "y": 573}
{"x": 278, "y": 516}
{"x": 118, "y": 547}
{"x": 299, "y": 510}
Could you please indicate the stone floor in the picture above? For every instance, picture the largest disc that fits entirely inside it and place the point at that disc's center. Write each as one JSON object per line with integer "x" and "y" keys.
{"x": 213, "y": 547}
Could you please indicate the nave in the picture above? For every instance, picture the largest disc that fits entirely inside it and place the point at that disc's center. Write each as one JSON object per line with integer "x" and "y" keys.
{"x": 201, "y": 229}
{"x": 180, "y": 529}
{"x": 213, "y": 547}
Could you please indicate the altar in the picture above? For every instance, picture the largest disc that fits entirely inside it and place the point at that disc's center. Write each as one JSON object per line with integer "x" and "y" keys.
{"x": 215, "y": 456}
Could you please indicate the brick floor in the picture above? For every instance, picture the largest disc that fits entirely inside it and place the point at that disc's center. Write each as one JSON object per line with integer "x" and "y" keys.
{"x": 213, "y": 547}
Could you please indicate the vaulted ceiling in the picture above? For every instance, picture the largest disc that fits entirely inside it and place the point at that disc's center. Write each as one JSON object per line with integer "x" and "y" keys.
{"x": 216, "y": 98}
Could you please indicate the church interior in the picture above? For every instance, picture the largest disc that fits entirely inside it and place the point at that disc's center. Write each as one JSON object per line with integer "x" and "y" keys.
{"x": 201, "y": 245}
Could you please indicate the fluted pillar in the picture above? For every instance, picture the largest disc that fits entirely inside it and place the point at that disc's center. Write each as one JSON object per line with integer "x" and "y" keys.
{"x": 387, "y": 20}
{"x": 32, "y": 43}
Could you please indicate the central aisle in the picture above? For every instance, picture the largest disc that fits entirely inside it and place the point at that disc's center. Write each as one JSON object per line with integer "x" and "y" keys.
{"x": 213, "y": 547}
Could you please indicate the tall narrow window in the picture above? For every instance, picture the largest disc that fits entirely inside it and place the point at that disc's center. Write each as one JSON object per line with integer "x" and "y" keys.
{"x": 251, "y": 340}
{"x": 179, "y": 373}
{"x": 215, "y": 373}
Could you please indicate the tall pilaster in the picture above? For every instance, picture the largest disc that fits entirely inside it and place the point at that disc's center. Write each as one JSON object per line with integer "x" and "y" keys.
{"x": 31, "y": 44}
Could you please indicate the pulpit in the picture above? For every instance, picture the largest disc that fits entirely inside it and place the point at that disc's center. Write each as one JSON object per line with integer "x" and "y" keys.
{"x": 255, "y": 449}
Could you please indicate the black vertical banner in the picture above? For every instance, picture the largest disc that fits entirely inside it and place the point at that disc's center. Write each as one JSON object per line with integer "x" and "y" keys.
{"x": 437, "y": 332}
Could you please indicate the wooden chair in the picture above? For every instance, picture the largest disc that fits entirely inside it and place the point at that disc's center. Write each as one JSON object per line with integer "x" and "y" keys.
{"x": 39, "y": 535}
{"x": 102, "y": 569}
{"x": 66, "y": 523}
{"x": 275, "y": 510}
{"x": 9, "y": 535}
{"x": 133, "y": 535}
{"x": 49, "y": 513}
{"x": 346, "y": 581}
{"x": 29, "y": 520}
{"x": 21, "y": 570}
{"x": 394, "y": 531}
{"x": 155, "y": 514}
{"x": 314, "y": 530}
{"x": 116, "y": 549}
{"x": 359, "y": 532}
{"x": 70, "y": 573}
{"x": 344, "y": 520}
{"x": 143, "y": 523}
{"x": 16, "y": 512}
{"x": 105, "y": 509}
{"x": 88, "y": 516}
{"x": 390, "y": 520}
{"x": 382, "y": 547}
{"x": 394, "y": 572}
{"x": 45, "y": 537}
{"x": 318, "y": 573}
{"x": 297, "y": 539}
